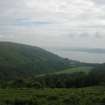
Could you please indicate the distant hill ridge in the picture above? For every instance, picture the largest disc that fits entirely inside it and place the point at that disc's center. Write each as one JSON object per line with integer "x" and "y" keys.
{"x": 24, "y": 60}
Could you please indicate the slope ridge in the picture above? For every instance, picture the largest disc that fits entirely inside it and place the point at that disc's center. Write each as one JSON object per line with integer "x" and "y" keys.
{"x": 23, "y": 60}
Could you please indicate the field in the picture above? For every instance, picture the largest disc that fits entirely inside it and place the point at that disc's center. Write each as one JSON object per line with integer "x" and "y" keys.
{"x": 85, "y": 69}
{"x": 80, "y": 96}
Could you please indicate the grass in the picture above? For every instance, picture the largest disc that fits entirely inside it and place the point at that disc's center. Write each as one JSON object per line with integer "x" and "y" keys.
{"x": 80, "y": 96}
{"x": 85, "y": 69}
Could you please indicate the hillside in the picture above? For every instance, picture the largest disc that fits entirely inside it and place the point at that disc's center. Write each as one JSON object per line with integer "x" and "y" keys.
{"x": 23, "y": 60}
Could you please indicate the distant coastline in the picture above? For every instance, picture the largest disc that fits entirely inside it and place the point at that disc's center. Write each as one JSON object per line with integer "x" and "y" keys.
{"x": 88, "y": 55}
{"x": 88, "y": 50}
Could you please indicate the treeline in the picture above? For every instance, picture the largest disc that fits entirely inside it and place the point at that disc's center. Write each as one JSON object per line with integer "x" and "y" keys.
{"x": 74, "y": 80}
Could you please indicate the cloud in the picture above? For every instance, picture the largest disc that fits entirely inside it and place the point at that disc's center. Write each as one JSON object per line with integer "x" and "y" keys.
{"x": 53, "y": 22}
{"x": 27, "y": 22}
{"x": 99, "y": 2}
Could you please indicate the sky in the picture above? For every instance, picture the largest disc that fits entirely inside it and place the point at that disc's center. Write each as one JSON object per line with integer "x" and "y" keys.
{"x": 53, "y": 23}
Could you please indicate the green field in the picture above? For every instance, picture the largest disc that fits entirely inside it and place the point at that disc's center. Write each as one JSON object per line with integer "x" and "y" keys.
{"x": 80, "y": 96}
{"x": 85, "y": 69}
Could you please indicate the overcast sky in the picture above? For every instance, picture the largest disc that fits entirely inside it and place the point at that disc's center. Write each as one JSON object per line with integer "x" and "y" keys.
{"x": 53, "y": 23}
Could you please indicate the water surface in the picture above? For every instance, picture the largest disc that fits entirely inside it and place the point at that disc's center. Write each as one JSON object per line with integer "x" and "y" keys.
{"x": 83, "y": 56}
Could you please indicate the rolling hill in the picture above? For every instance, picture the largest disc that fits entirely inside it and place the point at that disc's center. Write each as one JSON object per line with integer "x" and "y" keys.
{"x": 24, "y": 60}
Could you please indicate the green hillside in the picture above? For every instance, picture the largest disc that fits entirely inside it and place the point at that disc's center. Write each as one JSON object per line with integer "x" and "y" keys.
{"x": 23, "y": 60}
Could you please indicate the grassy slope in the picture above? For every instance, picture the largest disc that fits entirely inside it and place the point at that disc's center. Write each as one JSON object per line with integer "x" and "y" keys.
{"x": 85, "y": 69}
{"x": 16, "y": 59}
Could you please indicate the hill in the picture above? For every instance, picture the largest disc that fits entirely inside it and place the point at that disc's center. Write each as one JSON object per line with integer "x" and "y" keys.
{"x": 23, "y": 60}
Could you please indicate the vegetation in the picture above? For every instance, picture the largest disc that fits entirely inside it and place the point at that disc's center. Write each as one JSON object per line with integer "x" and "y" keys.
{"x": 18, "y": 60}
{"x": 80, "y": 96}
{"x": 23, "y": 60}
{"x": 67, "y": 80}
{"x": 32, "y": 76}
{"x": 85, "y": 69}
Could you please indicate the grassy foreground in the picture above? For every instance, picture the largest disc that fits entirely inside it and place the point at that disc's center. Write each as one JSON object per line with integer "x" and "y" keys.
{"x": 80, "y": 96}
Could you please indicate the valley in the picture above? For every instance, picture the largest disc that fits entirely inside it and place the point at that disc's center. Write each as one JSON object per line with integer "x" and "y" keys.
{"x": 34, "y": 76}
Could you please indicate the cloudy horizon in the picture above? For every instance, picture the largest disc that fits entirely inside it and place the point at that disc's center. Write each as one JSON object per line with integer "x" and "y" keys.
{"x": 53, "y": 23}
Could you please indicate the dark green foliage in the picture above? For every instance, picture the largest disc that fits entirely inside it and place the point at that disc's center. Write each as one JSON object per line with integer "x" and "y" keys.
{"x": 97, "y": 75}
{"x": 80, "y": 96}
{"x": 73, "y": 80}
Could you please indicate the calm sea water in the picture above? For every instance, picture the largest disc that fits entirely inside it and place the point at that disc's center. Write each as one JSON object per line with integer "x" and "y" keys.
{"x": 83, "y": 56}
